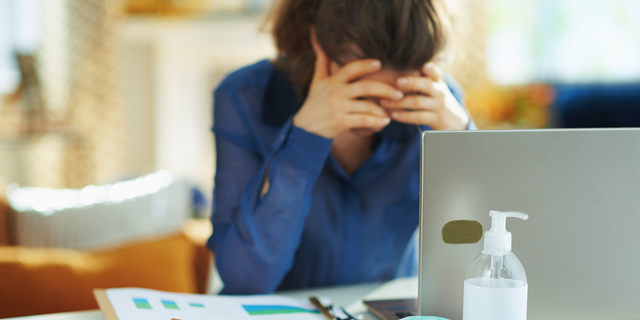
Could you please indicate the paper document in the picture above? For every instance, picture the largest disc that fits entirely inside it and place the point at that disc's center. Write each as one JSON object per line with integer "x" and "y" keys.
{"x": 143, "y": 304}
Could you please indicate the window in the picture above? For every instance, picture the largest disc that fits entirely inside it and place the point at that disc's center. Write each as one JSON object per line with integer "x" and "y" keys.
{"x": 563, "y": 41}
{"x": 19, "y": 32}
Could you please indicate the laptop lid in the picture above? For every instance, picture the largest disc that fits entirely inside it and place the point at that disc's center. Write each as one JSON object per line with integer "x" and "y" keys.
{"x": 580, "y": 247}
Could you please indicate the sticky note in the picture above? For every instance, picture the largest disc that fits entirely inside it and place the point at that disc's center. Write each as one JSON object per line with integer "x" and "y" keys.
{"x": 462, "y": 231}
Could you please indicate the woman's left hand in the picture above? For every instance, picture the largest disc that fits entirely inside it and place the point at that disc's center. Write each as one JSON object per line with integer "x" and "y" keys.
{"x": 434, "y": 105}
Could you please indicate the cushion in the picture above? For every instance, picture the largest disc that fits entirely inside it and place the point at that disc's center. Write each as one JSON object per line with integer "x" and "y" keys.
{"x": 99, "y": 216}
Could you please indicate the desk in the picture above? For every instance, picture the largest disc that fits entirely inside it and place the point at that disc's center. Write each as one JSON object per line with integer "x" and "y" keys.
{"x": 349, "y": 296}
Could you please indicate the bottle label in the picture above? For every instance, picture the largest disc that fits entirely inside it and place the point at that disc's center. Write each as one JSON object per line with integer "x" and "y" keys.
{"x": 500, "y": 299}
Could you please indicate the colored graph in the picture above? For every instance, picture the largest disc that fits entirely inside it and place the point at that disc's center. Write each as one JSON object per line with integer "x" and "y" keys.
{"x": 168, "y": 304}
{"x": 141, "y": 303}
{"x": 256, "y": 310}
{"x": 145, "y": 304}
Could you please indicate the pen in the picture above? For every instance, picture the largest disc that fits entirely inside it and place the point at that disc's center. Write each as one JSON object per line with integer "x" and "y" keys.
{"x": 322, "y": 308}
{"x": 348, "y": 316}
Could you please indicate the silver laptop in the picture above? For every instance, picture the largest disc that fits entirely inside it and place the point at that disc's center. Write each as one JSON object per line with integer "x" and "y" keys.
{"x": 581, "y": 245}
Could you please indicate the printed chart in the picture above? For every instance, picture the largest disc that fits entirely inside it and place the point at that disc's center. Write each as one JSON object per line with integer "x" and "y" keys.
{"x": 256, "y": 310}
{"x": 142, "y": 304}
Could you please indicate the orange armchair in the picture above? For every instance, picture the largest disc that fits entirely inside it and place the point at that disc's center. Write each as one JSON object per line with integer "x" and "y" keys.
{"x": 48, "y": 280}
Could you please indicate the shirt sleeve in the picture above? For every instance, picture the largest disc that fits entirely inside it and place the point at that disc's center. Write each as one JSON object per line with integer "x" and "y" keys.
{"x": 255, "y": 239}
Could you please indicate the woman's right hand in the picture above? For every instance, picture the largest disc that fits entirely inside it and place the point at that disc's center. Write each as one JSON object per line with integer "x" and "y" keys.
{"x": 332, "y": 105}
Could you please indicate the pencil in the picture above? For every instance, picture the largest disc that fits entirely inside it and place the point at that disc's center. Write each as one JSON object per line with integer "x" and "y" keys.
{"x": 320, "y": 307}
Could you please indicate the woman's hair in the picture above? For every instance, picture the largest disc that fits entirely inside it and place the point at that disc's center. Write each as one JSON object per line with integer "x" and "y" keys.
{"x": 402, "y": 34}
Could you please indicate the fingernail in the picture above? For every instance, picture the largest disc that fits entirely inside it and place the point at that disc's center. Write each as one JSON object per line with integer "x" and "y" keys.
{"x": 428, "y": 65}
{"x": 399, "y": 94}
{"x": 403, "y": 81}
{"x": 375, "y": 64}
{"x": 385, "y": 121}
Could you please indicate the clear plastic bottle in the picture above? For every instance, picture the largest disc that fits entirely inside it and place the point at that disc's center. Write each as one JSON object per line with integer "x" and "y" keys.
{"x": 496, "y": 285}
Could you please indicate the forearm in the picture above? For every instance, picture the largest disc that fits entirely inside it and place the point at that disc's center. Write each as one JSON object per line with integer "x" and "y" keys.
{"x": 255, "y": 246}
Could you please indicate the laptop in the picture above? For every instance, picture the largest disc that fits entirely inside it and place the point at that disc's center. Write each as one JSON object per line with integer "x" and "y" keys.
{"x": 580, "y": 247}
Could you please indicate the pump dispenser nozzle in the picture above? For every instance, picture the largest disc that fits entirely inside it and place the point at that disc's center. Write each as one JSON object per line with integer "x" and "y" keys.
{"x": 497, "y": 241}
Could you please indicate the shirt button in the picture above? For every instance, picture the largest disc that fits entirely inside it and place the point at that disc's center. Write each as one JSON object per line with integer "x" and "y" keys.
{"x": 282, "y": 137}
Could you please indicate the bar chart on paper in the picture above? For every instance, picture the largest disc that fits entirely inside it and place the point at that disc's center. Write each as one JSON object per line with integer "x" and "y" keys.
{"x": 143, "y": 304}
{"x": 256, "y": 310}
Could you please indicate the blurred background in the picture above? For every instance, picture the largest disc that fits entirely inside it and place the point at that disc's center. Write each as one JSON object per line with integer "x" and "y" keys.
{"x": 106, "y": 109}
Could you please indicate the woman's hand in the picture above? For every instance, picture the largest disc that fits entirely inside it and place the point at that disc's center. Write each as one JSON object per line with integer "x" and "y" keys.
{"x": 434, "y": 105}
{"x": 332, "y": 105}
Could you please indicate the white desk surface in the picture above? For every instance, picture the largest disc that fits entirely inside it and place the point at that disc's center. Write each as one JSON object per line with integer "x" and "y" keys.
{"x": 348, "y": 296}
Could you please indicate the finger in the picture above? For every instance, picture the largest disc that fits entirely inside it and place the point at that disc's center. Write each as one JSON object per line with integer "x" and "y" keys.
{"x": 354, "y": 121}
{"x": 370, "y": 88}
{"x": 433, "y": 71}
{"x": 356, "y": 69}
{"x": 413, "y": 102}
{"x": 415, "y": 117}
{"x": 367, "y": 107}
{"x": 417, "y": 84}
{"x": 321, "y": 70}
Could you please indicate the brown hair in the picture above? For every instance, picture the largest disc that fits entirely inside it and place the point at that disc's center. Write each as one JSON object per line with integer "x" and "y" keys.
{"x": 402, "y": 34}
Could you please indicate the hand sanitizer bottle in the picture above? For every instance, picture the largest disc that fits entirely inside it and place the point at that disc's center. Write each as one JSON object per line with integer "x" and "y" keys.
{"x": 496, "y": 286}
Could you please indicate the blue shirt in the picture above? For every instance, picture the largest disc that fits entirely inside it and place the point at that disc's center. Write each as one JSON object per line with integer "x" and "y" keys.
{"x": 316, "y": 225}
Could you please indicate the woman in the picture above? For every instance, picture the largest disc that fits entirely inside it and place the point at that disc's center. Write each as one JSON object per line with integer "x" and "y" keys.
{"x": 318, "y": 152}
